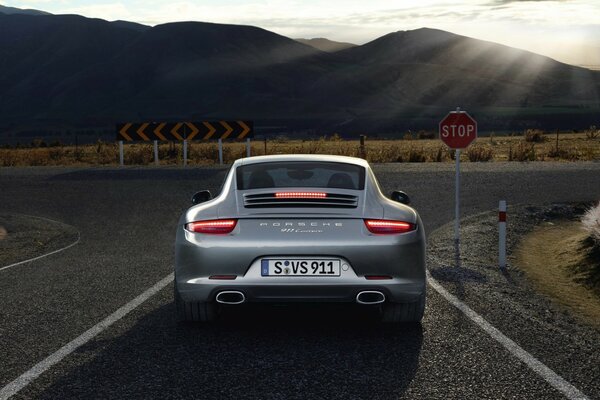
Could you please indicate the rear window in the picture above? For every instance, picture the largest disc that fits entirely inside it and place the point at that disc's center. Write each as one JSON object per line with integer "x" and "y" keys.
{"x": 300, "y": 174}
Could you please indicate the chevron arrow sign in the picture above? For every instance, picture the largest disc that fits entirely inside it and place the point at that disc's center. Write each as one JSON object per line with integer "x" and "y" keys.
{"x": 179, "y": 131}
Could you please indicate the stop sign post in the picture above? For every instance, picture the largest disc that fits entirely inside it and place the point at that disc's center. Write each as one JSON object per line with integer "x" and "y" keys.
{"x": 457, "y": 130}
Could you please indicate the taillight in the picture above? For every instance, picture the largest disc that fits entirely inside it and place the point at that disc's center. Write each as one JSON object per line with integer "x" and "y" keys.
{"x": 384, "y": 226}
{"x": 216, "y": 226}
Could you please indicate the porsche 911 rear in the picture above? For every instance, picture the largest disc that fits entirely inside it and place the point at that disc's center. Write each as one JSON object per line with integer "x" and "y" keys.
{"x": 300, "y": 229}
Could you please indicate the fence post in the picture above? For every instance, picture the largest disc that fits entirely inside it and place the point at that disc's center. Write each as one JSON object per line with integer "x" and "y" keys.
{"x": 185, "y": 150}
{"x": 220, "y": 152}
{"x": 502, "y": 234}
{"x": 156, "y": 152}
{"x": 121, "y": 163}
{"x": 265, "y": 145}
{"x": 361, "y": 150}
{"x": 248, "y": 149}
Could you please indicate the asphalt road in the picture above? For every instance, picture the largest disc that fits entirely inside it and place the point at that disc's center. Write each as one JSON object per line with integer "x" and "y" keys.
{"x": 126, "y": 219}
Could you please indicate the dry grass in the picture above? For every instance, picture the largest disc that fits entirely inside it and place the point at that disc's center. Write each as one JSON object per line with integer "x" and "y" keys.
{"x": 571, "y": 147}
{"x": 591, "y": 223}
{"x": 558, "y": 261}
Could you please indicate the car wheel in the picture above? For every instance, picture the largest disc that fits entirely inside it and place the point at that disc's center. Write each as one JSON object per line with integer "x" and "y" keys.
{"x": 194, "y": 311}
{"x": 404, "y": 312}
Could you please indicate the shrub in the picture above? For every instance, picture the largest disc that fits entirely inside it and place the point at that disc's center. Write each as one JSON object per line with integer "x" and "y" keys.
{"x": 477, "y": 153}
{"x": 592, "y": 133}
{"x": 522, "y": 152}
{"x": 591, "y": 223}
{"x": 534, "y": 135}
{"x": 417, "y": 155}
{"x": 425, "y": 135}
{"x": 570, "y": 154}
{"x": 439, "y": 155}
{"x": 38, "y": 142}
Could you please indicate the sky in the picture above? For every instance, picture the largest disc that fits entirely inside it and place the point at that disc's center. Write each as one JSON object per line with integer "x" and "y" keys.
{"x": 566, "y": 30}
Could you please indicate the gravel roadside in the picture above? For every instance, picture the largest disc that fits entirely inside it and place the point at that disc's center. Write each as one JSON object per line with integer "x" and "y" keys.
{"x": 507, "y": 299}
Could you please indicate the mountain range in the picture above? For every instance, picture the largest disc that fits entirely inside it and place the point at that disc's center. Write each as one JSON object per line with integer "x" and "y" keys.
{"x": 67, "y": 71}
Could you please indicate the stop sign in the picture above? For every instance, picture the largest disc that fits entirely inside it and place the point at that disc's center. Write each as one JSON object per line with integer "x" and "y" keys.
{"x": 458, "y": 129}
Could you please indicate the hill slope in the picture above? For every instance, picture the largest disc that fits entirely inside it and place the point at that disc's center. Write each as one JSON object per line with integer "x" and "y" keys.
{"x": 14, "y": 10}
{"x": 73, "y": 71}
{"x": 327, "y": 45}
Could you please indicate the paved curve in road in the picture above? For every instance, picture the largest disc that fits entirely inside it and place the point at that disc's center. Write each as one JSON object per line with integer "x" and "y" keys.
{"x": 126, "y": 220}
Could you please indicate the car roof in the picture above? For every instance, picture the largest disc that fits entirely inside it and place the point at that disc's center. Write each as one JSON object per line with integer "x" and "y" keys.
{"x": 301, "y": 157}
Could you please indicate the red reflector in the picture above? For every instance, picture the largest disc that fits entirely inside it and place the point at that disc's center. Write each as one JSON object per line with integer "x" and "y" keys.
{"x": 223, "y": 277}
{"x": 502, "y": 216}
{"x": 217, "y": 226}
{"x": 383, "y": 226}
{"x": 300, "y": 195}
{"x": 377, "y": 277}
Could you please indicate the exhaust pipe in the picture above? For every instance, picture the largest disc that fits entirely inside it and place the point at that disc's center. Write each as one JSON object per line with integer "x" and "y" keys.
{"x": 230, "y": 297}
{"x": 370, "y": 297}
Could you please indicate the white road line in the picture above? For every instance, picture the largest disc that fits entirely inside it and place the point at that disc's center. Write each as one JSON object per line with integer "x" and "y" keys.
{"x": 570, "y": 391}
{"x": 43, "y": 255}
{"x": 26, "y": 378}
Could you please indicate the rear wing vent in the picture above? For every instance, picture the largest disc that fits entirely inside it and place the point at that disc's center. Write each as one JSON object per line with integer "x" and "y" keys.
{"x": 300, "y": 199}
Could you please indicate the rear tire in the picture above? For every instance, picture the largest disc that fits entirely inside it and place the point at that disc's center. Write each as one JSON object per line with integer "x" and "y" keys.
{"x": 194, "y": 311}
{"x": 404, "y": 312}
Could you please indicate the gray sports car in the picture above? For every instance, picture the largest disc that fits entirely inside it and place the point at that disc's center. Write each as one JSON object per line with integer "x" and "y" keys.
{"x": 300, "y": 228}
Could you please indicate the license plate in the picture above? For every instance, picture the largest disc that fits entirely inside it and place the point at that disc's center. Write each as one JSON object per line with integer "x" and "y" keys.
{"x": 299, "y": 267}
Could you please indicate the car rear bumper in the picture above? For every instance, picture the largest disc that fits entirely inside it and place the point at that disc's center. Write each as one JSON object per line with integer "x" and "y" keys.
{"x": 398, "y": 291}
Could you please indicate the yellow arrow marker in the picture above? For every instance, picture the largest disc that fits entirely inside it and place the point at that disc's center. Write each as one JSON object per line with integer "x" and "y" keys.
{"x": 123, "y": 131}
{"x": 194, "y": 130}
{"x": 245, "y": 128}
{"x": 228, "y": 131}
{"x": 158, "y": 132}
{"x": 175, "y": 129}
{"x": 211, "y": 130}
{"x": 140, "y": 131}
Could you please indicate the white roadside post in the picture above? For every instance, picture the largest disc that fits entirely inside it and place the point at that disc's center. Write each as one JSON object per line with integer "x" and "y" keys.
{"x": 121, "y": 161}
{"x": 457, "y": 130}
{"x": 185, "y": 144}
{"x": 156, "y": 152}
{"x": 248, "y": 147}
{"x": 502, "y": 234}
{"x": 220, "y": 152}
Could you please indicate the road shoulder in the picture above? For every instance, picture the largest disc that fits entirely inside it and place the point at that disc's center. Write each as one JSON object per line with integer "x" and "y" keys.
{"x": 509, "y": 301}
{"x": 25, "y": 237}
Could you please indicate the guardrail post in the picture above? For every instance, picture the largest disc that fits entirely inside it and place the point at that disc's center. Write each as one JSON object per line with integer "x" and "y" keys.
{"x": 121, "y": 161}
{"x": 220, "y": 152}
{"x": 502, "y": 234}
{"x": 248, "y": 149}
{"x": 185, "y": 144}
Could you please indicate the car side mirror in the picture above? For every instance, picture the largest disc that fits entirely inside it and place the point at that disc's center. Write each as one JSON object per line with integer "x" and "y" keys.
{"x": 201, "y": 197}
{"x": 400, "y": 197}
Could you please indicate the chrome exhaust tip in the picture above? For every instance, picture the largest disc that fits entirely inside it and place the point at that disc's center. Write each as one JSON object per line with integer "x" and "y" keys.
{"x": 230, "y": 297}
{"x": 370, "y": 297}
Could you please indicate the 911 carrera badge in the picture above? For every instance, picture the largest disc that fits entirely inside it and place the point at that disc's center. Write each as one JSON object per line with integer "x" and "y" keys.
{"x": 293, "y": 230}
